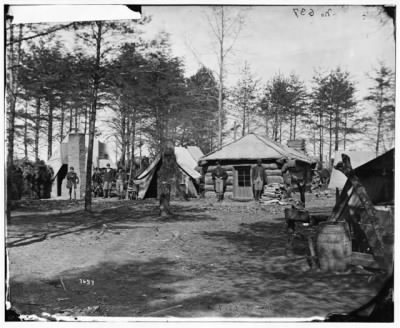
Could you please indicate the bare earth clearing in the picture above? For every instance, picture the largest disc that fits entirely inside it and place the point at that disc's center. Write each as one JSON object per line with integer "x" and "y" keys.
{"x": 209, "y": 260}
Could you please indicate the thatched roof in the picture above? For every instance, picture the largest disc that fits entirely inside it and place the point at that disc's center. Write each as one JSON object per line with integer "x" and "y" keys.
{"x": 253, "y": 147}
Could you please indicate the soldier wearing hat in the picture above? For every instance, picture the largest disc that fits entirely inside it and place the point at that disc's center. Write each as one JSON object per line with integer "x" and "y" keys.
{"x": 108, "y": 179}
{"x": 257, "y": 177}
{"x": 72, "y": 181}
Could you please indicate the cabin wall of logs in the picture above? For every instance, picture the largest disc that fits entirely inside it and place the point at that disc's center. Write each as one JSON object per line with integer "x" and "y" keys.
{"x": 272, "y": 174}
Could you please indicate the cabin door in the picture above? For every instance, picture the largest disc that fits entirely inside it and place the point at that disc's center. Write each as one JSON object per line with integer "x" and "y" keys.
{"x": 242, "y": 187}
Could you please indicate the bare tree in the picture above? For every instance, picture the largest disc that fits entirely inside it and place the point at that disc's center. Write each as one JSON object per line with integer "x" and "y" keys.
{"x": 225, "y": 27}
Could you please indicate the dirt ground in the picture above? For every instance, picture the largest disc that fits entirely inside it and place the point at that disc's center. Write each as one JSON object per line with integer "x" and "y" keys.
{"x": 208, "y": 260}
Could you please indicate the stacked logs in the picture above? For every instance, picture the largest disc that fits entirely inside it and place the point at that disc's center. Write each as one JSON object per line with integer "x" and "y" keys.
{"x": 272, "y": 173}
{"x": 209, "y": 185}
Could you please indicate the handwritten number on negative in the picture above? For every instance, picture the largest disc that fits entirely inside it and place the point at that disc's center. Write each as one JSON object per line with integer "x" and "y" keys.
{"x": 87, "y": 282}
{"x": 303, "y": 11}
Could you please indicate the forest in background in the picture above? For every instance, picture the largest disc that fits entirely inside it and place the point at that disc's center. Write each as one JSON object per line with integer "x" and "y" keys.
{"x": 143, "y": 87}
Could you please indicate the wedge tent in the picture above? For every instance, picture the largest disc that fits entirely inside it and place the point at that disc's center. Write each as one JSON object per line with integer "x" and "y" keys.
{"x": 189, "y": 177}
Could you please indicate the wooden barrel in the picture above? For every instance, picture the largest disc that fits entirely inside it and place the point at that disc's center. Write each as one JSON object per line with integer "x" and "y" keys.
{"x": 333, "y": 247}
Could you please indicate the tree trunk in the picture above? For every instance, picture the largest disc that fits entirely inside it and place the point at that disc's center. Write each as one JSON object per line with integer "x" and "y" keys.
{"x": 345, "y": 131}
{"x": 70, "y": 119}
{"x": 128, "y": 141}
{"x": 380, "y": 120}
{"x": 132, "y": 167}
{"x": 50, "y": 130}
{"x": 76, "y": 119}
{"x": 26, "y": 131}
{"x": 123, "y": 138}
{"x": 244, "y": 122}
{"x": 86, "y": 120}
{"x": 92, "y": 119}
{"x": 11, "y": 115}
{"x": 337, "y": 128}
{"x": 167, "y": 179}
{"x": 37, "y": 127}
{"x": 294, "y": 124}
{"x": 330, "y": 138}
{"x": 276, "y": 125}
{"x": 314, "y": 148}
{"x": 321, "y": 137}
{"x": 221, "y": 79}
{"x": 62, "y": 123}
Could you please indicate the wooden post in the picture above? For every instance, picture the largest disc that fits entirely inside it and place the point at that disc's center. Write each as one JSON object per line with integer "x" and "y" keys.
{"x": 370, "y": 221}
{"x": 167, "y": 179}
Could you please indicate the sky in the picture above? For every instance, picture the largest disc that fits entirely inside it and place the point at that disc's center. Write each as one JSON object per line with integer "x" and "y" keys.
{"x": 279, "y": 39}
{"x": 275, "y": 40}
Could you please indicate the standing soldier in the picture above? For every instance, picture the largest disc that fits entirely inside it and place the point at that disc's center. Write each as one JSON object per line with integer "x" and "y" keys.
{"x": 108, "y": 179}
{"x": 257, "y": 177}
{"x": 72, "y": 181}
{"x": 121, "y": 179}
{"x": 219, "y": 177}
{"x": 299, "y": 175}
{"x": 97, "y": 182}
{"x": 28, "y": 180}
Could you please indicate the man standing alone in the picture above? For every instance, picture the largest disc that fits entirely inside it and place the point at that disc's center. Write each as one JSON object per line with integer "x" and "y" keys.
{"x": 108, "y": 180}
{"x": 219, "y": 177}
{"x": 121, "y": 179}
{"x": 257, "y": 177}
{"x": 72, "y": 181}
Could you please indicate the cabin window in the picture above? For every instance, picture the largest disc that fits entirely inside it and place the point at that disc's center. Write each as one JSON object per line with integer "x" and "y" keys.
{"x": 243, "y": 176}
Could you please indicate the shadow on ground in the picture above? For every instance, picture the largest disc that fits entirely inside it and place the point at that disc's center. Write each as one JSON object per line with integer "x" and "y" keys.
{"x": 286, "y": 285}
{"x": 134, "y": 289}
{"x": 25, "y": 230}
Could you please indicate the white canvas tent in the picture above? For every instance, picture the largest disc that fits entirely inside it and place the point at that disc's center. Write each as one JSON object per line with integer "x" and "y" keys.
{"x": 60, "y": 161}
{"x": 357, "y": 158}
{"x": 147, "y": 180}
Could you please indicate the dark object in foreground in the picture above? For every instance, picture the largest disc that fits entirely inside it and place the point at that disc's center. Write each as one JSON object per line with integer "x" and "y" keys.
{"x": 379, "y": 309}
{"x": 12, "y": 315}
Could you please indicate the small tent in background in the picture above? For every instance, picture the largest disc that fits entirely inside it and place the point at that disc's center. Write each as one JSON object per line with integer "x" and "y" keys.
{"x": 187, "y": 163}
{"x": 338, "y": 179}
{"x": 72, "y": 151}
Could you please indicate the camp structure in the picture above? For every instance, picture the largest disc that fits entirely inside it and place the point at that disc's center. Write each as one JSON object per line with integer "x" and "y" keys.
{"x": 72, "y": 152}
{"x": 189, "y": 178}
{"x": 238, "y": 157}
{"x": 358, "y": 158}
{"x": 371, "y": 218}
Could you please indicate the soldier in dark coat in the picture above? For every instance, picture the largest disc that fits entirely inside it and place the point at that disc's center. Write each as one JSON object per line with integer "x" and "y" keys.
{"x": 97, "y": 182}
{"x": 108, "y": 179}
{"x": 72, "y": 181}
{"x": 219, "y": 177}
{"x": 257, "y": 177}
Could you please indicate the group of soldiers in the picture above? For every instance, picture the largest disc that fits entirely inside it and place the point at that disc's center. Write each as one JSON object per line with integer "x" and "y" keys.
{"x": 103, "y": 181}
{"x": 31, "y": 180}
{"x": 220, "y": 177}
{"x": 292, "y": 175}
